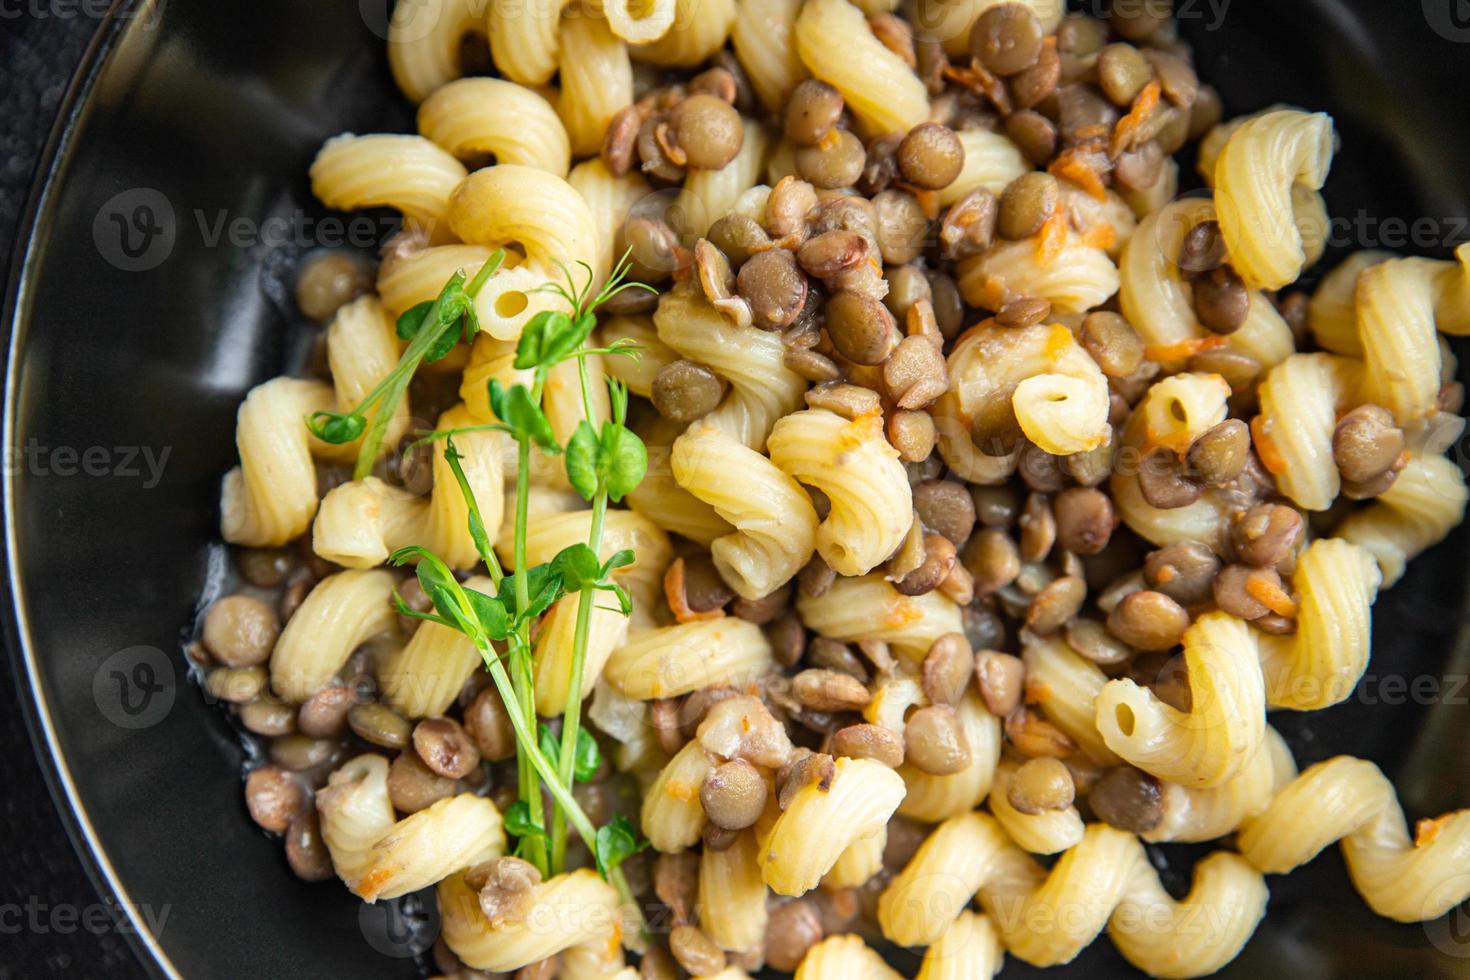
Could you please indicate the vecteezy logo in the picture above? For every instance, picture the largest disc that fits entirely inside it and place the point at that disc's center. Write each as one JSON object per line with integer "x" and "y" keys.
{"x": 134, "y": 688}
{"x": 1449, "y": 18}
{"x": 400, "y": 928}
{"x": 1450, "y": 932}
{"x": 135, "y": 230}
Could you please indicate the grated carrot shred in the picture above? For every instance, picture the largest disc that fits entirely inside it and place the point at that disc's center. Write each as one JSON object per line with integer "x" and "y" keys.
{"x": 1051, "y": 239}
{"x": 1182, "y": 350}
{"x": 1271, "y": 457}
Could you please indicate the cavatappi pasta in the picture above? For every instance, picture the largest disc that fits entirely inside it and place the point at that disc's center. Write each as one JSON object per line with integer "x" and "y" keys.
{"x": 998, "y": 485}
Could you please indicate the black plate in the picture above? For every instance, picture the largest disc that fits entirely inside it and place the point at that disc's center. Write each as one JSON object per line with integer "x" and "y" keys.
{"x": 140, "y": 319}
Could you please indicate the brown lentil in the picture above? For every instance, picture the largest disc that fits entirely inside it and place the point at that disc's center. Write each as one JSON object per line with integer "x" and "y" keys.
{"x": 324, "y": 714}
{"x": 901, "y": 226}
{"x": 829, "y": 690}
{"x": 1233, "y": 593}
{"x": 1035, "y": 737}
{"x": 328, "y": 282}
{"x": 774, "y": 287}
{"x": 1085, "y": 520}
{"x": 695, "y": 952}
{"x": 1148, "y": 620}
{"x": 931, "y": 156}
{"x": 1041, "y": 784}
{"x": 968, "y": 227}
{"x": 1038, "y": 528}
{"x": 947, "y": 669}
{"x": 912, "y": 434}
{"x": 946, "y": 507}
{"x": 305, "y": 851}
{"x": 763, "y": 611}
{"x": 793, "y": 928}
{"x": 445, "y": 748}
{"x": 1267, "y": 534}
{"x": 413, "y": 786}
{"x": 1007, "y": 38}
{"x": 812, "y": 110}
{"x": 865, "y": 741}
{"x": 787, "y": 207}
{"x": 914, "y": 375}
{"x": 949, "y": 307}
{"x": 268, "y": 718}
{"x": 1058, "y": 602}
{"x": 489, "y": 725}
{"x": 1221, "y": 300}
{"x": 708, "y": 130}
{"x": 299, "y": 753}
{"x": 939, "y": 558}
{"x": 1219, "y": 455}
{"x": 1033, "y": 133}
{"x": 1129, "y": 799}
{"x": 240, "y": 631}
{"x": 935, "y": 742}
{"x": 264, "y": 567}
{"x": 702, "y": 587}
{"x": 1122, "y": 72}
{"x": 1366, "y": 443}
{"x": 836, "y": 161}
{"x": 788, "y": 639}
{"x": 274, "y": 798}
{"x": 812, "y": 769}
{"x": 1184, "y": 571}
{"x": 379, "y": 724}
{"x": 1164, "y": 482}
{"x": 862, "y": 329}
{"x": 1026, "y": 204}
{"x": 814, "y": 367}
{"x": 738, "y": 237}
{"x": 1092, "y": 639}
{"x": 733, "y": 795}
{"x": 237, "y": 685}
{"x": 1034, "y": 85}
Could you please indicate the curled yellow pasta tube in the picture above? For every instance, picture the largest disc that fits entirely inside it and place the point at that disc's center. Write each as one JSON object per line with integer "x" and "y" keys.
{"x": 407, "y": 173}
{"x": 407, "y": 280}
{"x": 424, "y": 678}
{"x": 834, "y": 42}
{"x": 1424, "y": 504}
{"x": 596, "y": 79}
{"x": 763, "y": 38}
{"x": 819, "y": 824}
{"x": 338, "y": 615}
{"x": 1174, "y": 412}
{"x": 1064, "y": 685}
{"x": 968, "y": 949}
{"x": 643, "y": 579}
{"x": 1048, "y": 917}
{"x": 1321, "y": 662}
{"x": 541, "y": 212}
{"x": 1332, "y": 315}
{"x": 853, "y": 464}
{"x": 524, "y": 38}
{"x": 610, "y": 199}
{"x": 932, "y": 798}
{"x": 571, "y": 909}
{"x": 775, "y": 524}
{"x": 869, "y": 608}
{"x": 1350, "y": 800}
{"x": 843, "y": 957}
{"x": 672, "y": 660}
{"x": 671, "y": 816}
{"x": 1076, "y": 279}
{"x": 699, "y": 29}
{"x": 1223, "y": 729}
{"x": 1035, "y": 380}
{"x": 949, "y": 21}
{"x": 1158, "y": 300}
{"x": 648, "y": 21}
{"x": 378, "y": 856}
{"x": 473, "y": 117}
{"x": 762, "y": 387}
{"x": 732, "y": 896}
{"x": 361, "y": 523}
{"x": 1301, "y": 400}
{"x": 271, "y": 496}
{"x": 424, "y": 40}
{"x": 1046, "y": 832}
{"x": 991, "y": 161}
{"x": 1199, "y": 814}
{"x": 1256, "y": 173}
{"x": 1400, "y": 305}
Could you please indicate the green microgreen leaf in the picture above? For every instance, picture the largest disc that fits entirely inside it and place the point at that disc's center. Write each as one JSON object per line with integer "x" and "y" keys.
{"x": 491, "y": 613}
{"x": 578, "y": 566}
{"x": 518, "y": 821}
{"x": 588, "y": 758}
{"x": 518, "y": 410}
{"x": 582, "y": 455}
{"x": 616, "y": 842}
{"x": 622, "y": 459}
{"x": 338, "y": 428}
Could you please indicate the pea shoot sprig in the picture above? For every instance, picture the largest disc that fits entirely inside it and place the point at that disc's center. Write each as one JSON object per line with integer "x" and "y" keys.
{"x": 603, "y": 463}
{"x": 432, "y": 328}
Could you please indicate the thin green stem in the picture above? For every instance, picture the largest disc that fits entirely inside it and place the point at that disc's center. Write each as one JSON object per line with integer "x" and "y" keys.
{"x": 571, "y": 722}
